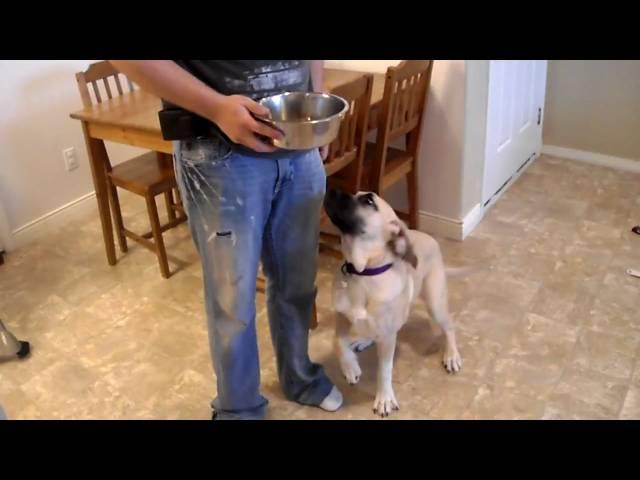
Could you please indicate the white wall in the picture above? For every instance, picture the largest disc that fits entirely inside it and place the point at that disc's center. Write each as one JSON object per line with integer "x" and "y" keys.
{"x": 5, "y": 238}
{"x": 37, "y": 97}
{"x": 594, "y": 106}
{"x": 442, "y": 145}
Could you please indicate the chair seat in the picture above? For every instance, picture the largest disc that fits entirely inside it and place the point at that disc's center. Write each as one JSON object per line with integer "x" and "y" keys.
{"x": 397, "y": 165}
{"x": 145, "y": 174}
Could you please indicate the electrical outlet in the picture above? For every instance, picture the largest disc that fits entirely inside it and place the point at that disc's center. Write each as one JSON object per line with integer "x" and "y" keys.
{"x": 70, "y": 159}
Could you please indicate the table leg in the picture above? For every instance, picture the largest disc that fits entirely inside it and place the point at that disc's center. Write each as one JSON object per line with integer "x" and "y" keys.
{"x": 98, "y": 160}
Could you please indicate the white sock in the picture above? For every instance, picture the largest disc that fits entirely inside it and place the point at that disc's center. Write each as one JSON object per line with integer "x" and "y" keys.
{"x": 333, "y": 401}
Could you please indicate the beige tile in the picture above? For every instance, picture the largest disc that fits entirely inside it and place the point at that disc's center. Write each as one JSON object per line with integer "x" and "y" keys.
{"x": 536, "y": 357}
{"x": 503, "y": 404}
{"x": 494, "y": 318}
{"x": 596, "y": 234}
{"x": 584, "y": 394}
{"x": 620, "y": 288}
{"x": 613, "y": 316}
{"x": 562, "y": 303}
{"x": 16, "y": 404}
{"x": 62, "y": 389}
{"x": 188, "y": 399}
{"x": 416, "y": 399}
{"x": 635, "y": 379}
{"x": 452, "y": 399}
{"x": 631, "y": 406}
{"x": 607, "y": 353}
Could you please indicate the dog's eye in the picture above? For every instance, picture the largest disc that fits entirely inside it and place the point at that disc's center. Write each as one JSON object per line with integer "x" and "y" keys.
{"x": 367, "y": 200}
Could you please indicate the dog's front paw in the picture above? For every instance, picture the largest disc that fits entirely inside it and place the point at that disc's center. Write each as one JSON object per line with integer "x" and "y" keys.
{"x": 351, "y": 371}
{"x": 385, "y": 403}
{"x": 452, "y": 361}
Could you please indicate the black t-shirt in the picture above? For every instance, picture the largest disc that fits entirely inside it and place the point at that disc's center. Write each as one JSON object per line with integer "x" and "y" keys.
{"x": 253, "y": 78}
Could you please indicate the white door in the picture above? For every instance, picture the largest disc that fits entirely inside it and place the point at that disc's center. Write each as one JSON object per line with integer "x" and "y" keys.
{"x": 514, "y": 120}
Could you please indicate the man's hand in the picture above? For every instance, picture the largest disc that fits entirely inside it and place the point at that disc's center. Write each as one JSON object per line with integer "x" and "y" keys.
{"x": 233, "y": 115}
{"x": 324, "y": 151}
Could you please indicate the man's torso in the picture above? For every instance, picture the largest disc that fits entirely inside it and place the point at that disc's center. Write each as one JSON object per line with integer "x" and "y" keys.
{"x": 255, "y": 79}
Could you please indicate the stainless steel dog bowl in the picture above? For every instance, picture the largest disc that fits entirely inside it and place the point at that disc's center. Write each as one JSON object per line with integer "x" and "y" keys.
{"x": 307, "y": 120}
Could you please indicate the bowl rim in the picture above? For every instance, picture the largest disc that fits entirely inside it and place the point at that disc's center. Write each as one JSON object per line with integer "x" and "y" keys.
{"x": 345, "y": 108}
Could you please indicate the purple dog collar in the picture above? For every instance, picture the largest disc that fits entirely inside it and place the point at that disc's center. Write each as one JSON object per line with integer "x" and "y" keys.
{"x": 348, "y": 268}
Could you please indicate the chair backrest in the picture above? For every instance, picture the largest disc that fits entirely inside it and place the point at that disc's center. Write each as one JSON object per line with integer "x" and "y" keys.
{"x": 93, "y": 75}
{"x": 346, "y": 153}
{"x": 403, "y": 105}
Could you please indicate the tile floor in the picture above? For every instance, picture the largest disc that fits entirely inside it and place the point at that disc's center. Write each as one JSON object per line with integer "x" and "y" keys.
{"x": 550, "y": 331}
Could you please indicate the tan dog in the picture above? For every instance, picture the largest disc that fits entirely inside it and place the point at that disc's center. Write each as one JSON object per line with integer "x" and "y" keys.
{"x": 387, "y": 267}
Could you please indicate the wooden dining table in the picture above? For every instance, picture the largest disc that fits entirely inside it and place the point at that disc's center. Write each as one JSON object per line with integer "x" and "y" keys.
{"x": 132, "y": 119}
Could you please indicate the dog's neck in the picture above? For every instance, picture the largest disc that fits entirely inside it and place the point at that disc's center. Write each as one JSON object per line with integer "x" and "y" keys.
{"x": 380, "y": 260}
{"x": 349, "y": 269}
{"x": 375, "y": 266}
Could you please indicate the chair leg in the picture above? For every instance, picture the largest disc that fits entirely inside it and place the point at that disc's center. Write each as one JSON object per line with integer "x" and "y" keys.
{"x": 168, "y": 200}
{"x": 412, "y": 191}
{"x": 117, "y": 217}
{"x": 154, "y": 220}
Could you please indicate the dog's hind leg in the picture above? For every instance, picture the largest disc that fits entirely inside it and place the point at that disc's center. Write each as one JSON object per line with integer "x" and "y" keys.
{"x": 435, "y": 297}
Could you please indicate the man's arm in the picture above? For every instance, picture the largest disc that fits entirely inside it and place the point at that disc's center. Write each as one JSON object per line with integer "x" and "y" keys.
{"x": 317, "y": 75}
{"x": 167, "y": 80}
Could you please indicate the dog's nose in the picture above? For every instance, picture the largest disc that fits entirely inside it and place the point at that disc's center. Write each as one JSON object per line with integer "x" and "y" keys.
{"x": 336, "y": 199}
{"x": 335, "y": 194}
{"x": 331, "y": 196}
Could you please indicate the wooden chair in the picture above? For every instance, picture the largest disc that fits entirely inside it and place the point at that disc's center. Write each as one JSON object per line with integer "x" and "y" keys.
{"x": 401, "y": 115}
{"x": 344, "y": 163}
{"x": 148, "y": 175}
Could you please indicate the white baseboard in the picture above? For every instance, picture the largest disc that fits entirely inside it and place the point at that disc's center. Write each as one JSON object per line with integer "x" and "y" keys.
{"x": 449, "y": 227}
{"x": 594, "y": 158}
{"x": 471, "y": 220}
{"x": 75, "y": 210}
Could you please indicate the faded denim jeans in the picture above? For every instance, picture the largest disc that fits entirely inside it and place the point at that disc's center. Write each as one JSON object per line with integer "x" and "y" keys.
{"x": 243, "y": 210}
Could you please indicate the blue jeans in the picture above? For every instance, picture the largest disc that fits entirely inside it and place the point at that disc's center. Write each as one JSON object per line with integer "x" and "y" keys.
{"x": 243, "y": 210}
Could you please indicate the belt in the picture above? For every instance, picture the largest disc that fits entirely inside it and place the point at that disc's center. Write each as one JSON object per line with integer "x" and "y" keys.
{"x": 179, "y": 124}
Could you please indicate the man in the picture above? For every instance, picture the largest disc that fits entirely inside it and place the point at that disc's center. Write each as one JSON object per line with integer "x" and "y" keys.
{"x": 248, "y": 201}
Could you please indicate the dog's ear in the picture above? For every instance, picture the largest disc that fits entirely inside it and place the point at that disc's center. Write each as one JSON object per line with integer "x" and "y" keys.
{"x": 400, "y": 245}
{"x": 353, "y": 254}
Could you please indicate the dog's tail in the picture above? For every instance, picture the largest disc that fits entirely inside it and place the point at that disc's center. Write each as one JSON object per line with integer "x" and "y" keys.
{"x": 460, "y": 271}
{"x": 467, "y": 270}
